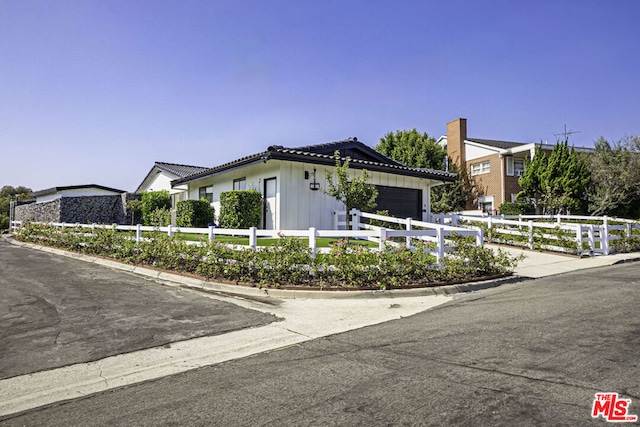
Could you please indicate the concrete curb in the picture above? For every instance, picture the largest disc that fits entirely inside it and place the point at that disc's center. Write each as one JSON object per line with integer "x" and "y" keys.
{"x": 246, "y": 291}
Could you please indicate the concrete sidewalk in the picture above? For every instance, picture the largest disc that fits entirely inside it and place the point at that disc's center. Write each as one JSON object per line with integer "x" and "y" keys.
{"x": 541, "y": 264}
{"x": 305, "y": 315}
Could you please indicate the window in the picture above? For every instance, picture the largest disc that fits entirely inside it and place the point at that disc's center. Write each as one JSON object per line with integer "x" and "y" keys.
{"x": 518, "y": 167}
{"x": 515, "y": 167}
{"x": 240, "y": 184}
{"x": 482, "y": 167}
{"x": 206, "y": 193}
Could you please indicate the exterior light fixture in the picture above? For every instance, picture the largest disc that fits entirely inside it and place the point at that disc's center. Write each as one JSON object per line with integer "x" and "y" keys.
{"x": 314, "y": 185}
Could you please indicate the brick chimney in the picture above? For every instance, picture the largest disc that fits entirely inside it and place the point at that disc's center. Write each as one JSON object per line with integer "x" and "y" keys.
{"x": 456, "y": 134}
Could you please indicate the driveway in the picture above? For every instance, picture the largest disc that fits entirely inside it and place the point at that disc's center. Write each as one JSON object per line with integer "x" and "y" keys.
{"x": 57, "y": 311}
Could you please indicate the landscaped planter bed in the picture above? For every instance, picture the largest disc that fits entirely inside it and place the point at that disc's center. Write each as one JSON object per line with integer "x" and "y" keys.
{"x": 287, "y": 265}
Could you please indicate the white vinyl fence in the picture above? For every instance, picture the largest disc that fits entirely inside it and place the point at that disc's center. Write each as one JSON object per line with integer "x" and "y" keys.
{"x": 562, "y": 233}
{"x": 437, "y": 234}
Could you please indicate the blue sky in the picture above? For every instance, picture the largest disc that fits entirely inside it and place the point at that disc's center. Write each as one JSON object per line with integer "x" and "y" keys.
{"x": 97, "y": 91}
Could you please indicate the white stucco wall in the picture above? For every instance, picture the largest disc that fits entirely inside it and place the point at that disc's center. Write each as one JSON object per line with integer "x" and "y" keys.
{"x": 161, "y": 181}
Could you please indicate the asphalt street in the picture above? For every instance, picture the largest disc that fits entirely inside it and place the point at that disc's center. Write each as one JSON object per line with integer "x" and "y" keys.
{"x": 57, "y": 311}
{"x": 529, "y": 353}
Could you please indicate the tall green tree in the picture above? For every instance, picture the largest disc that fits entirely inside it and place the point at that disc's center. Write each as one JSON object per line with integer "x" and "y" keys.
{"x": 615, "y": 178}
{"x": 413, "y": 149}
{"x": 353, "y": 192}
{"x": 556, "y": 183}
{"x": 453, "y": 197}
{"x": 419, "y": 150}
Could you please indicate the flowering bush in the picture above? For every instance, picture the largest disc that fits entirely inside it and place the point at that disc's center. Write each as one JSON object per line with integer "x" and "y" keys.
{"x": 288, "y": 263}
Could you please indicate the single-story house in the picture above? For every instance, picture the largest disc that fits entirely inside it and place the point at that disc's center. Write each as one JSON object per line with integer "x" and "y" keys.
{"x": 161, "y": 174}
{"x": 77, "y": 204}
{"x": 290, "y": 180}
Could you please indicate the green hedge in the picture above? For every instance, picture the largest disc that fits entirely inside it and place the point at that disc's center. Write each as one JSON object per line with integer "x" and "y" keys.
{"x": 194, "y": 213}
{"x": 516, "y": 208}
{"x": 154, "y": 201}
{"x": 240, "y": 209}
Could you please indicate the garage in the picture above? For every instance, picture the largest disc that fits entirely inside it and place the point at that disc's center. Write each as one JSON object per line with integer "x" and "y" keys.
{"x": 400, "y": 202}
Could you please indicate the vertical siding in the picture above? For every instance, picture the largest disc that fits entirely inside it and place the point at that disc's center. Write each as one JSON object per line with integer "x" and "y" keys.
{"x": 297, "y": 206}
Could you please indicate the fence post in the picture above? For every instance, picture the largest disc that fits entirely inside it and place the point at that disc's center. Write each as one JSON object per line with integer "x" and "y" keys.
{"x": 558, "y": 219}
{"x": 520, "y": 220}
{"x": 629, "y": 235}
{"x": 212, "y": 236}
{"x": 479, "y": 236}
{"x": 383, "y": 238}
{"x": 530, "y": 234}
{"x": 335, "y": 220}
{"x": 253, "y": 239}
{"x": 592, "y": 238}
{"x": 604, "y": 235}
{"x": 170, "y": 230}
{"x": 440, "y": 248}
{"x": 312, "y": 241}
{"x": 579, "y": 237}
{"x": 489, "y": 226}
{"x": 408, "y": 238}
{"x": 355, "y": 219}
{"x": 138, "y": 233}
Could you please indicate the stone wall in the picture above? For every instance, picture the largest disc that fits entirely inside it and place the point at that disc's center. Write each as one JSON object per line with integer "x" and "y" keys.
{"x": 41, "y": 212}
{"x": 83, "y": 210}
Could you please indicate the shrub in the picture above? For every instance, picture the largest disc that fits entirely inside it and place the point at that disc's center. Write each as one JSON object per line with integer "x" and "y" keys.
{"x": 289, "y": 262}
{"x": 152, "y": 201}
{"x": 240, "y": 209}
{"x": 159, "y": 217}
{"x": 516, "y": 208}
{"x": 194, "y": 213}
{"x": 4, "y": 221}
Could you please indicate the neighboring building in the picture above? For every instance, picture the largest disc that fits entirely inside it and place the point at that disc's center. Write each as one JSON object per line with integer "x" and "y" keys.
{"x": 494, "y": 165}
{"x": 77, "y": 204}
{"x": 289, "y": 179}
{"x": 161, "y": 174}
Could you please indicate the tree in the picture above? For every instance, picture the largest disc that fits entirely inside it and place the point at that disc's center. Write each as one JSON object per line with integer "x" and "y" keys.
{"x": 6, "y": 194}
{"x": 615, "y": 177}
{"x": 557, "y": 183}
{"x": 453, "y": 197}
{"x": 417, "y": 150}
{"x": 413, "y": 149}
{"x": 356, "y": 193}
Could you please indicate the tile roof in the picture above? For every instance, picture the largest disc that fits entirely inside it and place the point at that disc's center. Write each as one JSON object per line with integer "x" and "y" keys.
{"x": 175, "y": 169}
{"x": 317, "y": 154}
{"x": 179, "y": 170}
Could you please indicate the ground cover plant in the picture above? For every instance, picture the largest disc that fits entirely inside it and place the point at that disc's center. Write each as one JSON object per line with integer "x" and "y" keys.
{"x": 288, "y": 262}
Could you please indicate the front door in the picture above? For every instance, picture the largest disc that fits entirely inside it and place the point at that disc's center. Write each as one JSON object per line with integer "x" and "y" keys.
{"x": 269, "y": 213}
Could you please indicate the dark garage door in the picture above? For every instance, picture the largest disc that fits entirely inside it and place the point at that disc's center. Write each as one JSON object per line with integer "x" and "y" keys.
{"x": 400, "y": 202}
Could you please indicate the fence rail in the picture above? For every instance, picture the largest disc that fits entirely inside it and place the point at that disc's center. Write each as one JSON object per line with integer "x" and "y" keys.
{"x": 562, "y": 233}
{"x": 437, "y": 234}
